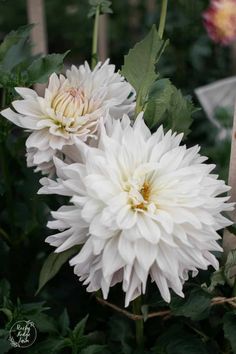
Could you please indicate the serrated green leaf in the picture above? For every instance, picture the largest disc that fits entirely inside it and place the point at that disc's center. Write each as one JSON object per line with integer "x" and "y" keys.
{"x": 229, "y": 327}
{"x": 53, "y": 264}
{"x": 230, "y": 267}
{"x": 195, "y": 306}
{"x": 179, "y": 113}
{"x": 40, "y": 70}
{"x": 159, "y": 98}
{"x": 78, "y": 331}
{"x": 139, "y": 65}
{"x": 13, "y": 38}
{"x": 166, "y": 105}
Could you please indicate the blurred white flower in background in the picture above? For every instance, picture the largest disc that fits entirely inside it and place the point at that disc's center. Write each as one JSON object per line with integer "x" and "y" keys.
{"x": 69, "y": 111}
{"x": 142, "y": 205}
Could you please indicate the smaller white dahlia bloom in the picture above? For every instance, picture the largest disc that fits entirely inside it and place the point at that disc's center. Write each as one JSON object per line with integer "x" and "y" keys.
{"x": 142, "y": 206}
{"x": 69, "y": 111}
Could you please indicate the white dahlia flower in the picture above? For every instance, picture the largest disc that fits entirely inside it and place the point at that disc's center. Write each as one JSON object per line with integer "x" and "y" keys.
{"x": 142, "y": 205}
{"x": 69, "y": 111}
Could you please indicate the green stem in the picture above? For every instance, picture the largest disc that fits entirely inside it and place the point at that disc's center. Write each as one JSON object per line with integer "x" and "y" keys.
{"x": 5, "y": 236}
{"x": 95, "y": 38}
{"x": 139, "y": 323}
{"x": 162, "y": 18}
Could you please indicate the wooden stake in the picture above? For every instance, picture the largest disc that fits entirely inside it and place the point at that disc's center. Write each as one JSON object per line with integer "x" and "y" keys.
{"x": 233, "y": 57}
{"x": 229, "y": 240}
{"x": 103, "y": 38}
{"x": 35, "y": 10}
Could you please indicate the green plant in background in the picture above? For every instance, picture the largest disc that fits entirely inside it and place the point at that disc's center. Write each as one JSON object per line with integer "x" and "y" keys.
{"x": 203, "y": 322}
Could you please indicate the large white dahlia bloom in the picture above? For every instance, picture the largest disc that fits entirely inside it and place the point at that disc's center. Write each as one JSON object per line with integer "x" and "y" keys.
{"x": 142, "y": 205}
{"x": 69, "y": 111}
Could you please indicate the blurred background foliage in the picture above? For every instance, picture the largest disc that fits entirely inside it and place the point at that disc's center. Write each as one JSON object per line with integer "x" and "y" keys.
{"x": 191, "y": 60}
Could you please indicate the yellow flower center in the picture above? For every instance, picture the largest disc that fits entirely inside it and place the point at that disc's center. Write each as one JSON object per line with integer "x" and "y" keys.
{"x": 70, "y": 103}
{"x": 145, "y": 193}
{"x": 138, "y": 197}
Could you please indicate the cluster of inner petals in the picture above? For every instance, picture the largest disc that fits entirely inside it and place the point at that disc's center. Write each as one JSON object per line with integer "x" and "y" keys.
{"x": 139, "y": 197}
{"x": 220, "y": 19}
{"x": 72, "y": 103}
{"x": 224, "y": 19}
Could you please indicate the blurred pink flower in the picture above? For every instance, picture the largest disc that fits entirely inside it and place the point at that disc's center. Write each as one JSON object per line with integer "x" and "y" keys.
{"x": 220, "y": 21}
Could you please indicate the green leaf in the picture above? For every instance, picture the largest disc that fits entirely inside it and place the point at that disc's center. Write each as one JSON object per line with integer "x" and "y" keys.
{"x": 176, "y": 340}
{"x": 53, "y": 264}
{"x": 121, "y": 333}
{"x": 196, "y": 305}
{"x": 41, "y": 68}
{"x": 166, "y": 105}
{"x": 51, "y": 345}
{"x": 179, "y": 113}
{"x": 217, "y": 278}
{"x": 44, "y": 323}
{"x": 94, "y": 349}
{"x": 64, "y": 322}
{"x": 7, "y": 313}
{"x": 230, "y": 267}
{"x": 159, "y": 99}
{"x": 229, "y": 327}
{"x": 139, "y": 65}
{"x": 12, "y": 39}
{"x": 78, "y": 331}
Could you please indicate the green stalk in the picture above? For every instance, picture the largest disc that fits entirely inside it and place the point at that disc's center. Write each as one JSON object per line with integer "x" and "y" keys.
{"x": 162, "y": 18}
{"x": 139, "y": 323}
{"x": 95, "y": 38}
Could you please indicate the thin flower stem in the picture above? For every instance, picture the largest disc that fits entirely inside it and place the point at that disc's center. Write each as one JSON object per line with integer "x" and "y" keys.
{"x": 162, "y": 18}
{"x": 95, "y": 38}
{"x": 137, "y": 303}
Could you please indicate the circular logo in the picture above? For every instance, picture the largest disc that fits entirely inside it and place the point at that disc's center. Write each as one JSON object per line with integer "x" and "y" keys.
{"x": 22, "y": 334}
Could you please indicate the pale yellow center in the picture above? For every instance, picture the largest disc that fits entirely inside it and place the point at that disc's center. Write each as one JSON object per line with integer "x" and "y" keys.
{"x": 139, "y": 198}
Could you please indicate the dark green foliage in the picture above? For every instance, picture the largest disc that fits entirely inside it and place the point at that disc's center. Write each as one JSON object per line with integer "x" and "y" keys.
{"x": 229, "y": 326}
{"x": 53, "y": 264}
{"x": 196, "y": 305}
{"x": 18, "y": 68}
{"x": 139, "y": 65}
{"x": 60, "y": 311}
